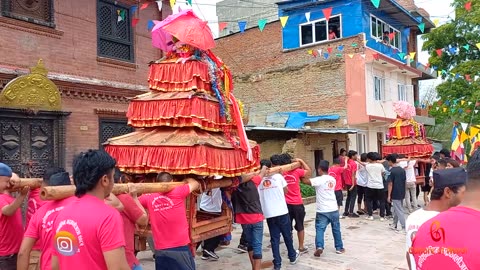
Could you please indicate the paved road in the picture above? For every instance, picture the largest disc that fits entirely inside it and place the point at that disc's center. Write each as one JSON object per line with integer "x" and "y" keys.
{"x": 369, "y": 245}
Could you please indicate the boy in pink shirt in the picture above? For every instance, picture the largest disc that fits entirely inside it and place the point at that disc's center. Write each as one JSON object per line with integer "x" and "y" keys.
{"x": 39, "y": 232}
{"x": 86, "y": 231}
{"x": 132, "y": 214}
{"x": 11, "y": 228}
{"x": 296, "y": 209}
{"x": 168, "y": 219}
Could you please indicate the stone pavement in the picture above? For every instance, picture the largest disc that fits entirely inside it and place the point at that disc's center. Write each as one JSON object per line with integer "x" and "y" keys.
{"x": 369, "y": 245}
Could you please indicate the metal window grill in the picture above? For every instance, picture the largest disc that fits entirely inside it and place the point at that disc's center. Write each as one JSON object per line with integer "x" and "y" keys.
{"x": 115, "y": 36}
{"x": 34, "y": 11}
{"x": 110, "y": 128}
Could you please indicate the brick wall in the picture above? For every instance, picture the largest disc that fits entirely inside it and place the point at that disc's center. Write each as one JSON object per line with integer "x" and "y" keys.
{"x": 269, "y": 80}
{"x": 71, "y": 48}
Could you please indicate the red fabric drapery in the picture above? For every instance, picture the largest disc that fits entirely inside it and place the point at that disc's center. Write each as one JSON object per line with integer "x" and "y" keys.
{"x": 192, "y": 75}
{"x": 199, "y": 159}
{"x": 190, "y": 112}
{"x": 410, "y": 150}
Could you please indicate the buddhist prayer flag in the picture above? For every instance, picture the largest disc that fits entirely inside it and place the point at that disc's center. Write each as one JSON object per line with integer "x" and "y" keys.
{"x": 283, "y": 20}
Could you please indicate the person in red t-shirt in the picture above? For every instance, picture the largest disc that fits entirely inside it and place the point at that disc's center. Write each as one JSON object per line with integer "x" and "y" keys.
{"x": 168, "y": 219}
{"x": 39, "y": 232}
{"x": 11, "y": 228}
{"x": 336, "y": 171}
{"x": 132, "y": 214}
{"x": 296, "y": 210}
{"x": 86, "y": 231}
{"x": 351, "y": 184}
{"x": 450, "y": 239}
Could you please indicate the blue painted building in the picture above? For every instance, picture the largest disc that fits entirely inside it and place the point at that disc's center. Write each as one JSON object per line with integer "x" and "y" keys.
{"x": 389, "y": 29}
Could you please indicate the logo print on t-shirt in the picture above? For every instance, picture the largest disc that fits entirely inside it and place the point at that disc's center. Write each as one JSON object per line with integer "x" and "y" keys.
{"x": 267, "y": 183}
{"x": 331, "y": 184}
{"x": 437, "y": 232}
{"x": 161, "y": 203}
{"x": 68, "y": 239}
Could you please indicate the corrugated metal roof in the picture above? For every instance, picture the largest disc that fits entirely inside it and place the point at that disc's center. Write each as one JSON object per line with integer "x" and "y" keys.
{"x": 305, "y": 130}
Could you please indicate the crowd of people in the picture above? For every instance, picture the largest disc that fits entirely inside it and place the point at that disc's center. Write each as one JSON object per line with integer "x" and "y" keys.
{"x": 82, "y": 232}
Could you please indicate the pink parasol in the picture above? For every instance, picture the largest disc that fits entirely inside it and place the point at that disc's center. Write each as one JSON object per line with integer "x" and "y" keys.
{"x": 186, "y": 27}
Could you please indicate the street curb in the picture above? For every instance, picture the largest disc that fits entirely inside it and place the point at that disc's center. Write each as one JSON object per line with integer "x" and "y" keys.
{"x": 309, "y": 200}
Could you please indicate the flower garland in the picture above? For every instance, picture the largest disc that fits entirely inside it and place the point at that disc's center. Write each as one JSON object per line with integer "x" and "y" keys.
{"x": 212, "y": 68}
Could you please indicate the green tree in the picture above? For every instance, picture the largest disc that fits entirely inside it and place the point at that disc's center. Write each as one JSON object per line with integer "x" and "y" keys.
{"x": 459, "y": 63}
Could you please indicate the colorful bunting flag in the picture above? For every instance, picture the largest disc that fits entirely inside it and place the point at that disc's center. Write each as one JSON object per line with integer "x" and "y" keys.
{"x": 464, "y": 126}
{"x": 135, "y": 21}
{"x": 478, "y": 45}
{"x": 412, "y": 55}
{"x": 463, "y": 137}
{"x": 261, "y": 24}
{"x": 354, "y": 45}
{"x": 150, "y": 25}
{"x": 439, "y": 52}
{"x": 319, "y": 51}
{"x": 467, "y": 47}
{"x": 474, "y": 130}
{"x": 307, "y": 15}
{"x": 222, "y": 25}
{"x": 326, "y": 55}
{"x": 477, "y": 104}
{"x": 436, "y": 22}
{"x": 133, "y": 9}
{"x": 462, "y": 102}
{"x": 422, "y": 27}
{"x": 453, "y": 50}
{"x": 350, "y": 55}
{"x": 401, "y": 55}
{"x": 189, "y": 2}
{"x": 172, "y": 3}
{"x": 315, "y": 53}
{"x": 338, "y": 55}
{"x": 144, "y": 6}
{"x": 391, "y": 36}
{"x": 340, "y": 48}
{"x": 310, "y": 52}
{"x": 330, "y": 49}
{"x": 470, "y": 103}
{"x": 476, "y": 111}
{"x": 376, "y": 56}
{"x": 376, "y": 3}
{"x": 283, "y": 20}
{"x": 327, "y": 12}
{"x": 468, "y": 6}
{"x": 159, "y": 5}
{"x": 444, "y": 109}
{"x": 242, "y": 25}
{"x": 363, "y": 55}
{"x": 467, "y": 77}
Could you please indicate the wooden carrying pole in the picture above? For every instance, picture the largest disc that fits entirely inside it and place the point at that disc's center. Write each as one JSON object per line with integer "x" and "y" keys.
{"x": 62, "y": 192}
{"x": 19, "y": 183}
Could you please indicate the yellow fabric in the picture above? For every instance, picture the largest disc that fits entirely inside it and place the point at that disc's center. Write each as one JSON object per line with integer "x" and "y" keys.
{"x": 456, "y": 143}
{"x": 474, "y": 131}
{"x": 398, "y": 129}
{"x": 463, "y": 137}
{"x": 284, "y": 20}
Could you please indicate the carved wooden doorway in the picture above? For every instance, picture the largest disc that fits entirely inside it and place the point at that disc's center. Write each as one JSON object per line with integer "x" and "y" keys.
{"x": 29, "y": 145}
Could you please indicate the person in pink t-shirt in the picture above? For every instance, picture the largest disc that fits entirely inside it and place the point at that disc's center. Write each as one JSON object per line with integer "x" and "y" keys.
{"x": 296, "y": 210}
{"x": 450, "y": 239}
{"x": 39, "y": 231}
{"x": 168, "y": 219}
{"x": 336, "y": 171}
{"x": 133, "y": 214}
{"x": 11, "y": 228}
{"x": 86, "y": 231}
{"x": 349, "y": 177}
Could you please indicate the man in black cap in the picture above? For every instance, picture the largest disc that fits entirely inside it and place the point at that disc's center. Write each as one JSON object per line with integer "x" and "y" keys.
{"x": 454, "y": 233}
{"x": 448, "y": 192}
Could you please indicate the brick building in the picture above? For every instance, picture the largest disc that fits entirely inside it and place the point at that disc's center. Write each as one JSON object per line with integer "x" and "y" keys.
{"x": 93, "y": 61}
{"x": 356, "y": 76}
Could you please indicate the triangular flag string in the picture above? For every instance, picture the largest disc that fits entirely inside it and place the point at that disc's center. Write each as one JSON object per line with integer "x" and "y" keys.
{"x": 283, "y": 20}
{"x": 307, "y": 16}
{"x": 422, "y": 27}
{"x": 242, "y": 25}
{"x": 159, "y": 5}
{"x": 222, "y": 25}
{"x": 327, "y": 12}
{"x": 261, "y": 24}
{"x": 376, "y": 3}
{"x": 144, "y": 6}
{"x": 172, "y": 3}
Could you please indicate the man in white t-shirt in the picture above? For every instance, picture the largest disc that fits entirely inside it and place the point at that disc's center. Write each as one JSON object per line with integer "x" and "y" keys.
{"x": 411, "y": 187}
{"x": 448, "y": 192}
{"x": 362, "y": 179}
{"x": 375, "y": 192}
{"x": 272, "y": 191}
{"x": 327, "y": 209}
{"x": 211, "y": 202}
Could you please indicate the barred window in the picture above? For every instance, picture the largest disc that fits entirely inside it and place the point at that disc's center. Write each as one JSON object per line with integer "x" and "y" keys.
{"x": 114, "y": 31}
{"x": 34, "y": 11}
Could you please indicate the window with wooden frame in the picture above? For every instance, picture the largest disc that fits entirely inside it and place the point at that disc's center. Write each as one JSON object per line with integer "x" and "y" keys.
{"x": 114, "y": 31}
{"x": 34, "y": 11}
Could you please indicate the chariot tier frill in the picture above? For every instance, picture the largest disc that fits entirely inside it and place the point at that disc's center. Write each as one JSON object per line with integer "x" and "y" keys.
{"x": 181, "y": 151}
{"x": 170, "y": 76}
{"x": 177, "y": 109}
